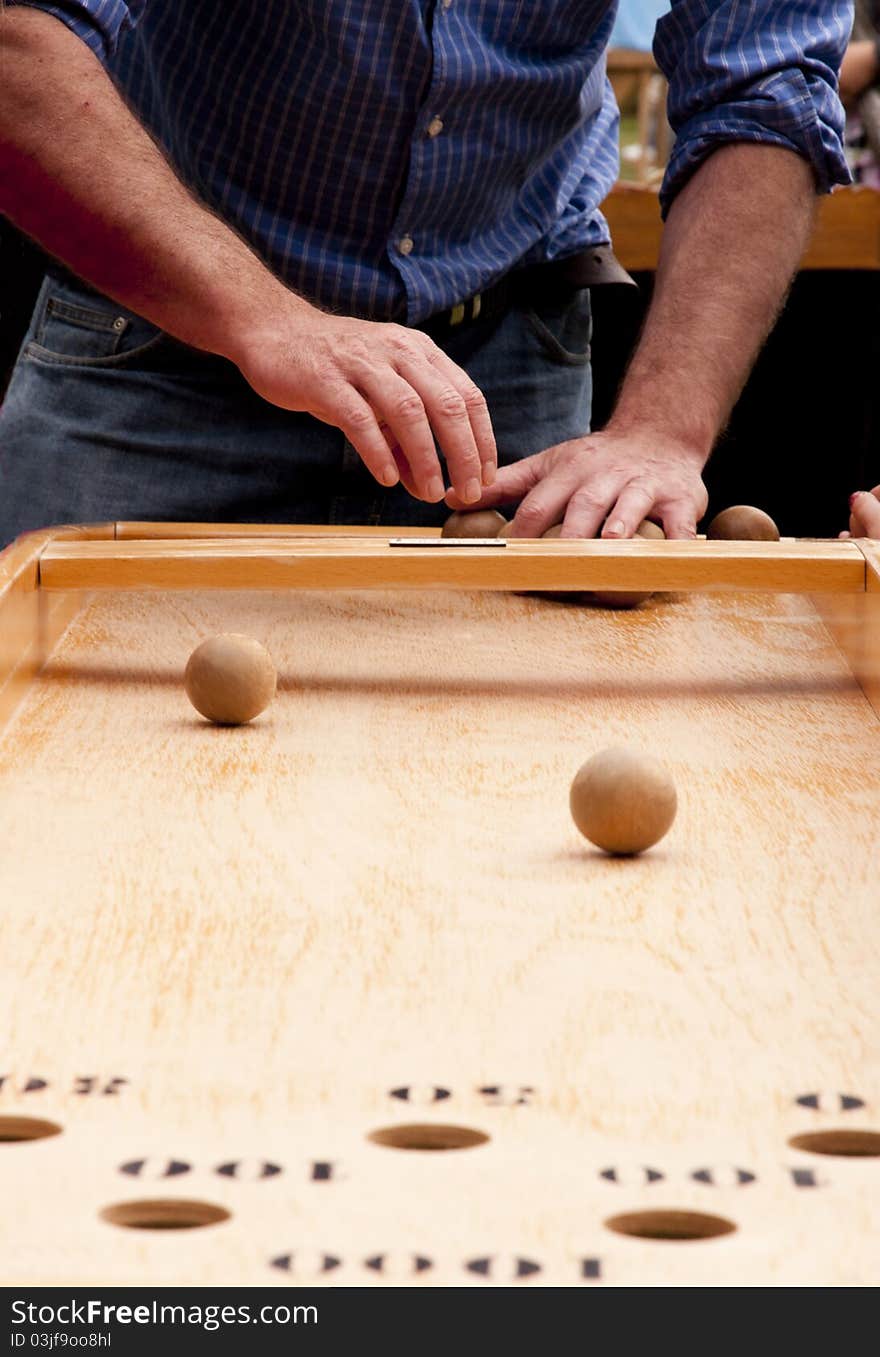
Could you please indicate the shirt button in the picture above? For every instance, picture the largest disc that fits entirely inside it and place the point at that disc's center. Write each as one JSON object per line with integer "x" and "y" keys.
{"x": 435, "y": 127}
{"x": 405, "y": 245}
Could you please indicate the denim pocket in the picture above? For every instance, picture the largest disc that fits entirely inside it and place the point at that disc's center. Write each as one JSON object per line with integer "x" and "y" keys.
{"x": 79, "y": 327}
{"x": 562, "y": 326}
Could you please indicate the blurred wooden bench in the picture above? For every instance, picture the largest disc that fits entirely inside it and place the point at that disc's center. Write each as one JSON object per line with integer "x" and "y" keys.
{"x": 636, "y": 80}
{"x": 847, "y": 234}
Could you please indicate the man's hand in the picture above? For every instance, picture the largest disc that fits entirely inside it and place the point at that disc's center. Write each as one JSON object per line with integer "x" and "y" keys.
{"x": 733, "y": 240}
{"x": 635, "y": 476}
{"x": 864, "y": 514}
{"x": 386, "y": 387}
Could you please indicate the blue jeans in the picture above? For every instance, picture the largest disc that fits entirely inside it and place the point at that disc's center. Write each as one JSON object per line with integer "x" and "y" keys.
{"x": 107, "y": 417}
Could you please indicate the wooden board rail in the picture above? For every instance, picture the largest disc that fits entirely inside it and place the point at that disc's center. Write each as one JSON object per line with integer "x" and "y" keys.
{"x": 846, "y": 234}
{"x": 290, "y": 562}
{"x": 136, "y": 530}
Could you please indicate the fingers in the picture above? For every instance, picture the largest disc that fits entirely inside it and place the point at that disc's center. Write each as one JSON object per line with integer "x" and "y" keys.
{"x": 403, "y": 467}
{"x": 600, "y": 483}
{"x": 360, "y": 426}
{"x": 588, "y": 509}
{"x": 679, "y": 521}
{"x": 512, "y": 482}
{"x": 617, "y": 511}
{"x": 446, "y": 404}
{"x": 478, "y": 415}
{"x": 865, "y": 513}
{"x": 634, "y": 503}
{"x": 444, "y": 410}
{"x": 366, "y": 376}
{"x": 399, "y": 406}
{"x": 542, "y": 507}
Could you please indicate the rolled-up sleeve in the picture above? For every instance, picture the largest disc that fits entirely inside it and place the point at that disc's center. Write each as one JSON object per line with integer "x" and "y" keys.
{"x": 98, "y": 22}
{"x": 754, "y": 70}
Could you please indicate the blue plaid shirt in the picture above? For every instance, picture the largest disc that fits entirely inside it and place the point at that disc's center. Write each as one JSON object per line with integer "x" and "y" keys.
{"x": 388, "y": 158}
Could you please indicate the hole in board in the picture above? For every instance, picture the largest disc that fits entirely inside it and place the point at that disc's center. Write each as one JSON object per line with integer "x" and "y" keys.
{"x": 848, "y": 1144}
{"x": 428, "y": 1136}
{"x": 169, "y": 1213}
{"x": 26, "y": 1128}
{"x": 672, "y": 1225}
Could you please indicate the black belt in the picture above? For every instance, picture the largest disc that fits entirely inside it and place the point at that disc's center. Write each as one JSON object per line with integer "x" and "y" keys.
{"x": 595, "y": 267}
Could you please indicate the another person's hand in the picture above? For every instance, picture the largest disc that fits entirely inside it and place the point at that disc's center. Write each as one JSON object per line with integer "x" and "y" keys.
{"x": 864, "y": 515}
{"x": 603, "y": 483}
{"x": 390, "y": 390}
{"x": 859, "y": 69}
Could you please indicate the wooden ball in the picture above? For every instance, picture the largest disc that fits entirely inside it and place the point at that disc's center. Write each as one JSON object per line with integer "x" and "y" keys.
{"x": 477, "y": 523}
{"x": 623, "y": 802}
{"x": 618, "y": 598}
{"x": 230, "y": 679}
{"x": 742, "y": 523}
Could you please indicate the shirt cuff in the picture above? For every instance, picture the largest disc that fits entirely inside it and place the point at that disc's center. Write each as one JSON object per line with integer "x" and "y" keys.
{"x": 97, "y": 22}
{"x": 776, "y": 110}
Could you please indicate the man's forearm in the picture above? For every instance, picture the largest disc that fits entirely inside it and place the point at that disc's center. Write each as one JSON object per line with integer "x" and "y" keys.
{"x": 731, "y": 245}
{"x": 81, "y": 176}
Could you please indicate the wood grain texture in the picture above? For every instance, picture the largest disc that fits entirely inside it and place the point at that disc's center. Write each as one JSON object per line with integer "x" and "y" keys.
{"x": 349, "y": 563}
{"x": 126, "y": 531}
{"x": 224, "y": 950}
{"x": 847, "y": 234}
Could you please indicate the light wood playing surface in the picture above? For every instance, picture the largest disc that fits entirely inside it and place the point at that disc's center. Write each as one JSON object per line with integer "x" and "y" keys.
{"x": 377, "y": 886}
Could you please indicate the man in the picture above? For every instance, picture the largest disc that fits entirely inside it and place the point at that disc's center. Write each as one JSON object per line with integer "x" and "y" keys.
{"x": 352, "y": 227}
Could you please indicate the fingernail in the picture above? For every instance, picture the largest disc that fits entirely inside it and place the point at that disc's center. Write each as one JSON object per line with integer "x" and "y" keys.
{"x": 390, "y": 475}
{"x": 472, "y": 490}
{"x": 853, "y": 498}
{"x": 435, "y": 488}
{"x": 615, "y": 529}
{"x": 489, "y": 473}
